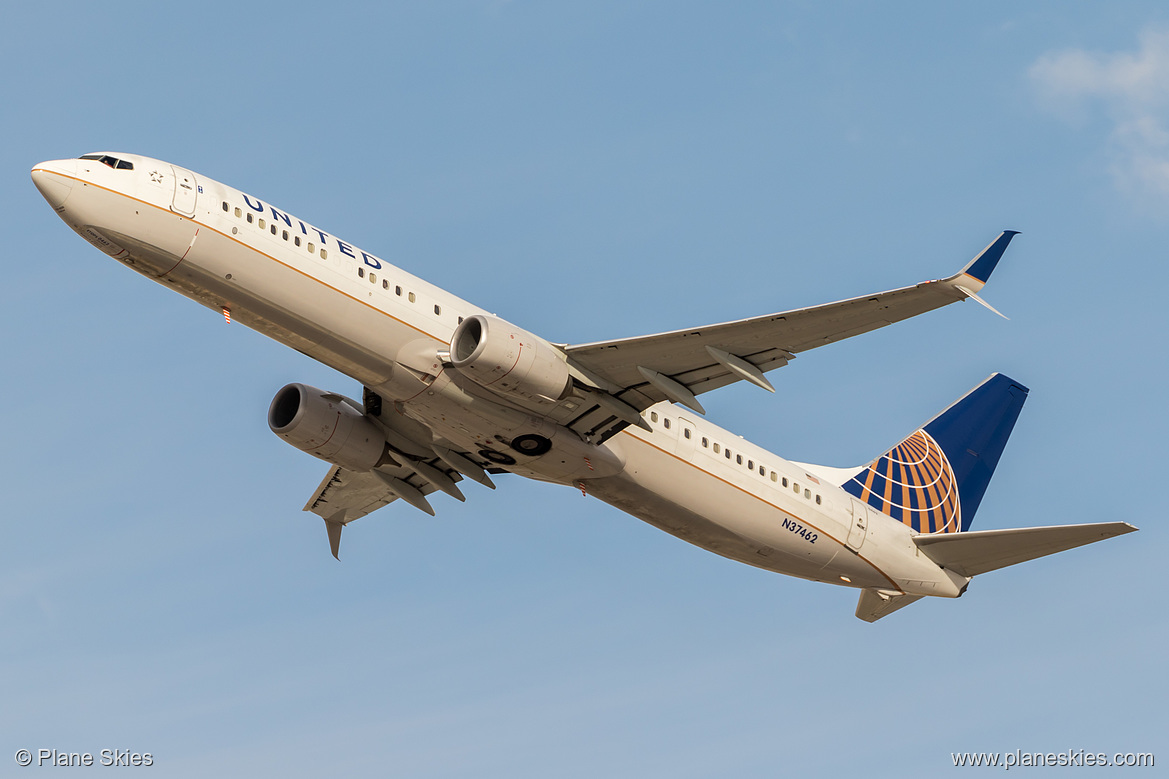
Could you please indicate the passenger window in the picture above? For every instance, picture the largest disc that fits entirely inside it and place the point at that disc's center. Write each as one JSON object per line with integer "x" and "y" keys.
{"x": 361, "y": 273}
{"x": 250, "y": 220}
{"x": 750, "y": 465}
{"x": 762, "y": 471}
{"x": 686, "y": 432}
{"x": 666, "y": 422}
{"x": 705, "y": 442}
{"x": 774, "y": 476}
{"x": 296, "y": 240}
{"x": 716, "y": 448}
{"x": 324, "y": 254}
{"x": 727, "y": 452}
{"x": 807, "y": 493}
{"x": 817, "y": 499}
{"x": 372, "y": 278}
{"x": 286, "y": 235}
{"x": 438, "y": 309}
{"x": 263, "y": 224}
{"x": 796, "y": 487}
{"x": 653, "y": 416}
{"x": 225, "y": 206}
{"x": 385, "y": 283}
{"x": 273, "y": 228}
{"x": 238, "y": 212}
{"x": 398, "y": 291}
{"x": 785, "y": 481}
{"x": 411, "y": 297}
{"x": 739, "y": 459}
{"x": 312, "y": 249}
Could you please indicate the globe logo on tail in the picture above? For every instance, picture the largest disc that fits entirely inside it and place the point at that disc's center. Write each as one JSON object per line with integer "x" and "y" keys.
{"x": 913, "y": 483}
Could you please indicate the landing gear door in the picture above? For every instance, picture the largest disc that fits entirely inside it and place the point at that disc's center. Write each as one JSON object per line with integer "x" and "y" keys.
{"x": 186, "y": 191}
{"x": 860, "y": 525}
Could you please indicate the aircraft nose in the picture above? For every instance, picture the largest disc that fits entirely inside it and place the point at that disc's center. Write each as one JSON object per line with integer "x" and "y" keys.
{"x": 55, "y": 180}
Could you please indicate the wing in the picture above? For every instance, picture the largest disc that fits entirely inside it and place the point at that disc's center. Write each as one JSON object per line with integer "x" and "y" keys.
{"x": 345, "y": 495}
{"x": 679, "y": 365}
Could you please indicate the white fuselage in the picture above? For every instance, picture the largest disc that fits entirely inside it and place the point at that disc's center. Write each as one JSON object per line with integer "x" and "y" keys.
{"x": 386, "y": 328}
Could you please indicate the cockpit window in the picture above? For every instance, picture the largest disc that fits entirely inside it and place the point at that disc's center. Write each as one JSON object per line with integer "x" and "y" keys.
{"x": 106, "y": 159}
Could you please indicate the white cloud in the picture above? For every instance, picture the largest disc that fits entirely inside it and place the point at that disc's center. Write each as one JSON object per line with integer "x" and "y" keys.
{"x": 1133, "y": 89}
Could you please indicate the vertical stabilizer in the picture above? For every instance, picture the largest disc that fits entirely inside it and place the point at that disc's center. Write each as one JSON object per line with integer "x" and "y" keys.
{"x": 934, "y": 480}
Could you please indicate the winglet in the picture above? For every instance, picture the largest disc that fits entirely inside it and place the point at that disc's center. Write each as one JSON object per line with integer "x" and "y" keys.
{"x": 984, "y": 264}
{"x": 333, "y": 526}
{"x": 970, "y": 294}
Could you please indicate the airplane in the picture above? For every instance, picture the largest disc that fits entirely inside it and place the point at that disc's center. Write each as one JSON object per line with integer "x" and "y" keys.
{"x": 453, "y": 393}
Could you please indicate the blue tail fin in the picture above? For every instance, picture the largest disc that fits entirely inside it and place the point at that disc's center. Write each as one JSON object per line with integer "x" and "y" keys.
{"x": 934, "y": 480}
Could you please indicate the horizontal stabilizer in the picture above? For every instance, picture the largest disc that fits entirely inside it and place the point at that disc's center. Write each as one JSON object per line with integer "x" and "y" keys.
{"x": 874, "y": 604}
{"x": 980, "y": 551}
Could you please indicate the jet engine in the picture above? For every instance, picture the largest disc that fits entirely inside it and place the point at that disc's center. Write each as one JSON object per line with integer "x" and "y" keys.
{"x": 328, "y": 426}
{"x": 506, "y": 359}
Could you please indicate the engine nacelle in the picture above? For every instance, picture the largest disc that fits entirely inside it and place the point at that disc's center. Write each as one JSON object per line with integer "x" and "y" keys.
{"x": 508, "y": 360}
{"x": 324, "y": 425}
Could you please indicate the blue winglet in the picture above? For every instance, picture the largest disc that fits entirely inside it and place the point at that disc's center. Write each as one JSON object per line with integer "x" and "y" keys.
{"x": 984, "y": 264}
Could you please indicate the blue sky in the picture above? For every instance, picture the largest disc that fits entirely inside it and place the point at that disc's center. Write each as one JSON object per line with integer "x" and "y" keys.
{"x": 588, "y": 171}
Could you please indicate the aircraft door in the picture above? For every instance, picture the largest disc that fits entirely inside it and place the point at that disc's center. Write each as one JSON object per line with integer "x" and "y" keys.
{"x": 186, "y": 191}
{"x": 860, "y": 525}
